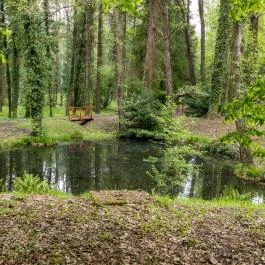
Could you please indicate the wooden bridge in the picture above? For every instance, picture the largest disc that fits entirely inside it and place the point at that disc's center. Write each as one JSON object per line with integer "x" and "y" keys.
{"x": 82, "y": 115}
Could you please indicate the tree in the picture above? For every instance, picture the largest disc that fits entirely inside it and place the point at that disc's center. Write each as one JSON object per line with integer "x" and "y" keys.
{"x": 35, "y": 70}
{"x": 167, "y": 51}
{"x": 185, "y": 11}
{"x": 220, "y": 57}
{"x": 201, "y": 12}
{"x": 151, "y": 43}
{"x": 99, "y": 57}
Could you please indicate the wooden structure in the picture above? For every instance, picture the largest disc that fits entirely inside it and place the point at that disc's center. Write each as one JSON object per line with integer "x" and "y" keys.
{"x": 82, "y": 115}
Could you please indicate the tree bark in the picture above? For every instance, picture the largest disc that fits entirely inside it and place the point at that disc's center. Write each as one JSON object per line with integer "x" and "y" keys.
{"x": 167, "y": 52}
{"x": 72, "y": 70}
{"x": 185, "y": 10}
{"x": 7, "y": 67}
{"x": 99, "y": 58}
{"x": 46, "y": 9}
{"x": 235, "y": 86}
{"x": 2, "y": 67}
{"x": 120, "y": 37}
{"x": 151, "y": 44}
{"x": 15, "y": 76}
{"x": 220, "y": 58}
{"x": 90, "y": 10}
{"x": 201, "y": 13}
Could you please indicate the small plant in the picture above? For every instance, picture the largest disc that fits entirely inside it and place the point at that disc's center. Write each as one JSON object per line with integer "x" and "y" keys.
{"x": 105, "y": 236}
{"x": 31, "y": 184}
{"x": 233, "y": 194}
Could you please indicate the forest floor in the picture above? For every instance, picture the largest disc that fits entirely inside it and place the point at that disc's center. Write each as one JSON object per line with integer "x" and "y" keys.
{"x": 212, "y": 128}
{"x": 121, "y": 227}
{"x": 104, "y": 126}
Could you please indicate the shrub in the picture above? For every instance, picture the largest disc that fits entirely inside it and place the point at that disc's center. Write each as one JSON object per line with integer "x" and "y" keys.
{"x": 31, "y": 184}
{"x": 146, "y": 117}
{"x": 197, "y": 104}
{"x": 170, "y": 172}
{"x": 231, "y": 193}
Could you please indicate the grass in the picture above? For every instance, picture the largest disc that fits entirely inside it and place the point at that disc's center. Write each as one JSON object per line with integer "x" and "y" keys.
{"x": 55, "y": 131}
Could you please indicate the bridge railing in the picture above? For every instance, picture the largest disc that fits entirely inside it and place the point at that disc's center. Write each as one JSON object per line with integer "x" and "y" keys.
{"x": 80, "y": 113}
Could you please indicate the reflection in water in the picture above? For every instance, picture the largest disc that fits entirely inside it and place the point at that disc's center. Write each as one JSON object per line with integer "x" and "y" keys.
{"x": 78, "y": 168}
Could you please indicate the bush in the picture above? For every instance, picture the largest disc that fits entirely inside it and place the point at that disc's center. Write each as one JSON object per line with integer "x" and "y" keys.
{"x": 197, "y": 104}
{"x": 233, "y": 194}
{"x": 170, "y": 172}
{"x": 31, "y": 184}
{"x": 145, "y": 117}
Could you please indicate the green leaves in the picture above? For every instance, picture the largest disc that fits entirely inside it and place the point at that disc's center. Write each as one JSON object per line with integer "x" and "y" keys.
{"x": 242, "y": 8}
{"x": 128, "y": 6}
{"x": 251, "y": 108}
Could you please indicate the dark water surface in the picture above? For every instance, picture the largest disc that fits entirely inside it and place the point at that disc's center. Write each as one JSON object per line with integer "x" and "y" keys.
{"x": 80, "y": 167}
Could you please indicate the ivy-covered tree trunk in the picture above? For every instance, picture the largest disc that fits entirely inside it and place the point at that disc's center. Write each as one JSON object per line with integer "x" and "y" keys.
{"x": 15, "y": 75}
{"x": 201, "y": 13}
{"x": 2, "y": 67}
{"x": 220, "y": 58}
{"x": 7, "y": 66}
{"x": 34, "y": 67}
{"x": 151, "y": 43}
{"x": 46, "y": 8}
{"x": 89, "y": 28}
{"x": 250, "y": 62}
{"x": 99, "y": 57}
{"x": 235, "y": 86}
{"x": 167, "y": 51}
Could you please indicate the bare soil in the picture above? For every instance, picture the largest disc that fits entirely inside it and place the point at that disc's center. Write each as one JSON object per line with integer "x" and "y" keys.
{"x": 140, "y": 230}
{"x": 9, "y": 129}
{"x": 213, "y": 128}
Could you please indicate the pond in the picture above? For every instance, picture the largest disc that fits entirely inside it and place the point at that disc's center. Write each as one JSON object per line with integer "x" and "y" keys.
{"x": 81, "y": 167}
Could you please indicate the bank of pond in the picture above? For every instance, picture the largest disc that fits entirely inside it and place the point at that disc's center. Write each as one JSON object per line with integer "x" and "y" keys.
{"x": 80, "y": 167}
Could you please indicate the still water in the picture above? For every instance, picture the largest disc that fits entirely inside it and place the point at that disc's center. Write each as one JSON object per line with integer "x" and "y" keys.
{"x": 80, "y": 167}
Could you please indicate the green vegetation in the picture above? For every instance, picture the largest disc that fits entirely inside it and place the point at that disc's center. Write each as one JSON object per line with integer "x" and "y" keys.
{"x": 174, "y": 169}
{"x": 30, "y": 184}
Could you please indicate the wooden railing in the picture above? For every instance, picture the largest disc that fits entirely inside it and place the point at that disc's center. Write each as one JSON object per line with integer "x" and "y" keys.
{"x": 80, "y": 113}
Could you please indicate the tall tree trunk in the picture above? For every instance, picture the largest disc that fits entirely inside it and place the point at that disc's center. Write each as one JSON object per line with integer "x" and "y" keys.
{"x": 99, "y": 58}
{"x": 46, "y": 8}
{"x": 220, "y": 59}
{"x": 2, "y": 67}
{"x": 201, "y": 12}
{"x": 235, "y": 85}
{"x": 151, "y": 44}
{"x": 250, "y": 69}
{"x": 90, "y": 10}
{"x": 8, "y": 77}
{"x": 120, "y": 18}
{"x": 15, "y": 76}
{"x": 167, "y": 52}
{"x": 72, "y": 70}
{"x": 190, "y": 54}
{"x": 8, "y": 80}
{"x": 185, "y": 11}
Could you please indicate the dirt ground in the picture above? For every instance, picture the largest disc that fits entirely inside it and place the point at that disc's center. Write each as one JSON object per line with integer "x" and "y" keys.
{"x": 127, "y": 228}
{"x": 106, "y": 122}
{"x": 9, "y": 129}
{"x": 213, "y": 128}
